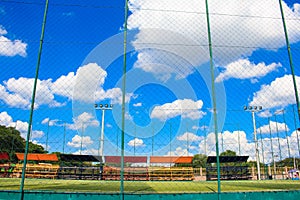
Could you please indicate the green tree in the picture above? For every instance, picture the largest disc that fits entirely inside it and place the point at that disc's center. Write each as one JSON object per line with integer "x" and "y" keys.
{"x": 228, "y": 153}
{"x": 12, "y": 142}
{"x": 199, "y": 160}
{"x": 289, "y": 162}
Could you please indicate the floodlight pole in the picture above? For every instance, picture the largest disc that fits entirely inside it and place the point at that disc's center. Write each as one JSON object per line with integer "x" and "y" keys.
{"x": 102, "y": 134}
{"x": 256, "y": 146}
{"x": 103, "y": 108}
{"x": 254, "y": 109}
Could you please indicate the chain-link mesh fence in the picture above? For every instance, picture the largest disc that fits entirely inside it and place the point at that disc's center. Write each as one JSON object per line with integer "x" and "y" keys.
{"x": 128, "y": 94}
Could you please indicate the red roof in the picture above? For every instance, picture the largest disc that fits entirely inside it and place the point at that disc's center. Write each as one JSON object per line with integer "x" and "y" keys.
{"x": 4, "y": 156}
{"x": 38, "y": 157}
{"x": 127, "y": 159}
{"x": 171, "y": 159}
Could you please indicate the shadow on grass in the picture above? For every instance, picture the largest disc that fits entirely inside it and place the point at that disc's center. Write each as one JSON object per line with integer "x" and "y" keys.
{"x": 211, "y": 189}
{"x": 143, "y": 187}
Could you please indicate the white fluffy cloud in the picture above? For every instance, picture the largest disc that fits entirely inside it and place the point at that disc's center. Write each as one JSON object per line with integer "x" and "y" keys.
{"x": 18, "y": 92}
{"x": 274, "y": 126}
{"x": 11, "y": 47}
{"x": 237, "y": 141}
{"x": 179, "y": 151}
{"x": 279, "y": 93}
{"x": 63, "y": 86}
{"x": 187, "y": 108}
{"x": 163, "y": 25}
{"x": 244, "y": 69}
{"x": 83, "y": 121}
{"x": 89, "y": 151}
{"x": 84, "y": 85}
{"x": 22, "y": 127}
{"x": 5, "y": 119}
{"x": 78, "y": 141}
{"x": 51, "y": 122}
{"x": 187, "y": 136}
{"x": 136, "y": 142}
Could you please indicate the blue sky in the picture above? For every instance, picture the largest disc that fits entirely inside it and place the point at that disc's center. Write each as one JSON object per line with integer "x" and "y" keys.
{"x": 168, "y": 95}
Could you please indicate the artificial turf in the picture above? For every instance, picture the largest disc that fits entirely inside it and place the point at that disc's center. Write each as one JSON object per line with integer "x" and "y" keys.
{"x": 147, "y": 186}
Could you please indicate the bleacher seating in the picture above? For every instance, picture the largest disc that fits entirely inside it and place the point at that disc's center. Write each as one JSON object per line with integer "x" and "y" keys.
{"x": 5, "y": 168}
{"x": 234, "y": 171}
{"x": 130, "y": 173}
{"x": 41, "y": 170}
{"x": 171, "y": 172}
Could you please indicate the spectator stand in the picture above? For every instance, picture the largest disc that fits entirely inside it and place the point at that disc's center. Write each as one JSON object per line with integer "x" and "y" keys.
{"x": 6, "y": 167}
{"x": 168, "y": 168}
{"x": 82, "y": 167}
{"x": 231, "y": 168}
{"x": 135, "y": 168}
{"x": 36, "y": 167}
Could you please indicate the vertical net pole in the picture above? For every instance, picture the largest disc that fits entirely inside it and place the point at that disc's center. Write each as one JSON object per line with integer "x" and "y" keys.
{"x": 297, "y": 131}
{"x": 290, "y": 58}
{"x": 286, "y": 134}
{"x": 33, "y": 100}
{"x": 123, "y": 100}
{"x": 272, "y": 150}
{"x": 213, "y": 98}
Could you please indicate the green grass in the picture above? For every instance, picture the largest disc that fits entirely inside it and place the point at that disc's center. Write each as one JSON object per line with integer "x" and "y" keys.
{"x": 147, "y": 186}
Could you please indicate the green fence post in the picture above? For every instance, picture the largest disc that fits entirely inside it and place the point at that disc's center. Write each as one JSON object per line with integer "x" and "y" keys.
{"x": 290, "y": 58}
{"x": 33, "y": 100}
{"x": 213, "y": 98}
{"x": 123, "y": 100}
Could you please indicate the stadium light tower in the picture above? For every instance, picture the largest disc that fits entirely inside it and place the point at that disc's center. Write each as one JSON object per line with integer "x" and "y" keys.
{"x": 102, "y": 107}
{"x": 254, "y": 109}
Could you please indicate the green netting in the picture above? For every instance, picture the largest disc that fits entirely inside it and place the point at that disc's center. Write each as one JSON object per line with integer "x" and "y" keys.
{"x": 147, "y": 91}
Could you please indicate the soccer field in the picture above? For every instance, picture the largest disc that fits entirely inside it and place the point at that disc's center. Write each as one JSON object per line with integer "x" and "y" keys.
{"x": 148, "y": 186}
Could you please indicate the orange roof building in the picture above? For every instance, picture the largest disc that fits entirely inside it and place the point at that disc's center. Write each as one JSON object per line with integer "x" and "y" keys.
{"x": 38, "y": 157}
{"x": 171, "y": 159}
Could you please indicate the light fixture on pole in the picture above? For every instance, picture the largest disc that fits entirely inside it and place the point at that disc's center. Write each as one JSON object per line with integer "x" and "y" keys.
{"x": 254, "y": 109}
{"x": 102, "y": 107}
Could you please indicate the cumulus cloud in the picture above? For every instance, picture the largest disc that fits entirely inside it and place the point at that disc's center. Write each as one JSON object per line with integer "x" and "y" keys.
{"x": 237, "y": 141}
{"x": 265, "y": 113}
{"x": 163, "y": 26}
{"x": 85, "y": 85}
{"x": 22, "y": 127}
{"x": 63, "y": 86}
{"x": 36, "y": 134}
{"x": 274, "y": 126}
{"x": 204, "y": 127}
{"x": 244, "y": 69}
{"x": 5, "y": 119}
{"x": 89, "y": 151}
{"x": 179, "y": 151}
{"x": 279, "y": 93}
{"x": 18, "y": 92}
{"x": 187, "y": 136}
{"x": 52, "y": 122}
{"x": 83, "y": 121}
{"x": 187, "y": 108}
{"x": 11, "y": 47}
{"x": 88, "y": 78}
{"x": 78, "y": 141}
{"x": 43, "y": 145}
{"x": 136, "y": 142}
